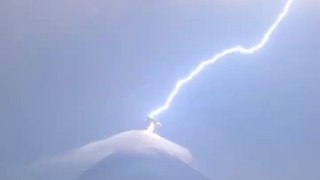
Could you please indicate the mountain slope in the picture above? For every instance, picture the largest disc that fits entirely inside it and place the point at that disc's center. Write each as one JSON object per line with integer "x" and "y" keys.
{"x": 141, "y": 166}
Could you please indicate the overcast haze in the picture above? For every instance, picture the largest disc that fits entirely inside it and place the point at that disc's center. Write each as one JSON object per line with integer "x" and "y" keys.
{"x": 73, "y": 72}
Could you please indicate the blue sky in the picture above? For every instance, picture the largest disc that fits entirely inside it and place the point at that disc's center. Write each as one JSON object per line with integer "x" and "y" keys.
{"x": 75, "y": 72}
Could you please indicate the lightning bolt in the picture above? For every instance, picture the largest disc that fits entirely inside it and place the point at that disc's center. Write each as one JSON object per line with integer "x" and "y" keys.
{"x": 237, "y": 49}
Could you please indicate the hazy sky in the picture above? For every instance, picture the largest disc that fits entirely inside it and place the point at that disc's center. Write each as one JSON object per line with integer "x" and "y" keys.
{"x": 73, "y": 72}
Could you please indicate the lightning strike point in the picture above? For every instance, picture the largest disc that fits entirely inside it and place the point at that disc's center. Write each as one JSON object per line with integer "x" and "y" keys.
{"x": 151, "y": 128}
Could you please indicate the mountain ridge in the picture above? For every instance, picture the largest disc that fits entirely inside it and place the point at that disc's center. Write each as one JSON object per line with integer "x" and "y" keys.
{"x": 141, "y": 166}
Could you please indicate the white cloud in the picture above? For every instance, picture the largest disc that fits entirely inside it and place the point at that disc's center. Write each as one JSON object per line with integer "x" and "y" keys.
{"x": 73, "y": 163}
{"x": 130, "y": 141}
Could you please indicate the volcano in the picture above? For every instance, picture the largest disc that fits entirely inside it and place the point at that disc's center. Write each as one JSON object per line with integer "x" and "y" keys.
{"x": 122, "y": 166}
{"x": 142, "y": 156}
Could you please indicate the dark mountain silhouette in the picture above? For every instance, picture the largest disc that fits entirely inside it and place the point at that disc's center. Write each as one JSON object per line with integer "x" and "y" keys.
{"x": 141, "y": 166}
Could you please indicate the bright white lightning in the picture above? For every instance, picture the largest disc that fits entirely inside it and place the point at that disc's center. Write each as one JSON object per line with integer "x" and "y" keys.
{"x": 201, "y": 66}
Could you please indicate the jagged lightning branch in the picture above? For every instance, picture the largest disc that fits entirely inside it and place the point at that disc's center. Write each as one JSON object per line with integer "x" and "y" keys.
{"x": 201, "y": 66}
